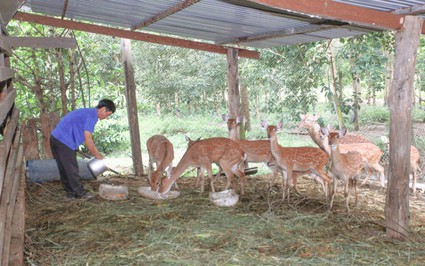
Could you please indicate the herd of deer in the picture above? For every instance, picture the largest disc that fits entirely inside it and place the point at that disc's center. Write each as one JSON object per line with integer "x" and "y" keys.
{"x": 344, "y": 156}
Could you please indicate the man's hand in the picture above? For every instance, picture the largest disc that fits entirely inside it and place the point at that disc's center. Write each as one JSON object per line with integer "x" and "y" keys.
{"x": 91, "y": 146}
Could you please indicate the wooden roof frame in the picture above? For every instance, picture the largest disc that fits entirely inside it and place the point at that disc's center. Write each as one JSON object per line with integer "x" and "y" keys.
{"x": 332, "y": 14}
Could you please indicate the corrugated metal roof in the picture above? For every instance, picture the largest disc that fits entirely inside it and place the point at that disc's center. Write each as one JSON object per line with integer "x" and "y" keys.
{"x": 213, "y": 21}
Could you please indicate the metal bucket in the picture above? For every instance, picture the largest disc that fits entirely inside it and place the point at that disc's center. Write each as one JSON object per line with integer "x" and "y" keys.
{"x": 96, "y": 166}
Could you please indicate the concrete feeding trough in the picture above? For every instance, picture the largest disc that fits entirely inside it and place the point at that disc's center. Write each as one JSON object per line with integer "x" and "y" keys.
{"x": 225, "y": 198}
{"x": 112, "y": 192}
{"x": 146, "y": 192}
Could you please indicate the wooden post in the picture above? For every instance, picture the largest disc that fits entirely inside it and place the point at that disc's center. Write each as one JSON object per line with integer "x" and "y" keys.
{"x": 16, "y": 254}
{"x": 133, "y": 120}
{"x": 233, "y": 83}
{"x": 400, "y": 103}
{"x": 45, "y": 133}
{"x": 30, "y": 140}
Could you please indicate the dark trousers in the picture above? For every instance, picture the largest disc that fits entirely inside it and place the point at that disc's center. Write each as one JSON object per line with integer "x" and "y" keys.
{"x": 66, "y": 160}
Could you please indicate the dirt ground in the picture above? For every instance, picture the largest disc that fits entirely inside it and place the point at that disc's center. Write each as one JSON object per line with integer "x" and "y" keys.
{"x": 190, "y": 230}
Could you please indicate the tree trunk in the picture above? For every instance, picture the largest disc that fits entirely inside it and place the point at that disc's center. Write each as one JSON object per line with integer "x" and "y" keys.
{"x": 245, "y": 107}
{"x": 356, "y": 95}
{"x": 61, "y": 70}
{"x": 335, "y": 87}
{"x": 72, "y": 78}
{"x": 133, "y": 120}
{"x": 400, "y": 103}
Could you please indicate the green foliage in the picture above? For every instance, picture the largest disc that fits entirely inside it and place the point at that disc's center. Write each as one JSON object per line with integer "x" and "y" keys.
{"x": 112, "y": 135}
{"x": 374, "y": 114}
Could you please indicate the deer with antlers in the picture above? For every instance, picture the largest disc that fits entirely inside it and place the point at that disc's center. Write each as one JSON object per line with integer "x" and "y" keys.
{"x": 203, "y": 153}
{"x": 346, "y": 167}
{"x": 370, "y": 153}
{"x": 161, "y": 153}
{"x": 293, "y": 161}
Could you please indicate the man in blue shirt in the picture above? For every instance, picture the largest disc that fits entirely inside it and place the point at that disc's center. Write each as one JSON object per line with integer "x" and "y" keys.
{"x": 74, "y": 129}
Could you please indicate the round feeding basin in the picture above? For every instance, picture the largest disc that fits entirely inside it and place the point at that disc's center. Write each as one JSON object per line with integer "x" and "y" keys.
{"x": 148, "y": 193}
{"x": 111, "y": 192}
{"x": 225, "y": 198}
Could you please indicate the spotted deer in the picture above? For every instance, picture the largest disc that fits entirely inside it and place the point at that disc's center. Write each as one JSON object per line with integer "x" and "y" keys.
{"x": 415, "y": 157}
{"x": 257, "y": 151}
{"x": 346, "y": 167}
{"x": 292, "y": 161}
{"x": 161, "y": 153}
{"x": 203, "y": 153}
{"x": 370, "y": 153}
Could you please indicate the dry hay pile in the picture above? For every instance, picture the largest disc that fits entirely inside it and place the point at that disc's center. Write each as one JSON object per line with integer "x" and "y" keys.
{"x": 190, "y": 230}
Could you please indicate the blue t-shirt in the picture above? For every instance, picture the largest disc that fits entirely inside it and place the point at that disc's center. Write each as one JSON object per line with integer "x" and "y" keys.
{"x": 70, "y": 130}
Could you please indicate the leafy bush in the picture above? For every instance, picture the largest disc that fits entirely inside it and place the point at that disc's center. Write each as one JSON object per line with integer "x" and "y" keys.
{"x": 110, "y": 135}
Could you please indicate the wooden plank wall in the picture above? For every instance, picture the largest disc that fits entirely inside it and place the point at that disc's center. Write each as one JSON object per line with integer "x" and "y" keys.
{"x": 12, "y": 182}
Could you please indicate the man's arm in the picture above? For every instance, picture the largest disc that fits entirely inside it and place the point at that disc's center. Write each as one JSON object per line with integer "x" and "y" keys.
{"x": 91, "y": 146}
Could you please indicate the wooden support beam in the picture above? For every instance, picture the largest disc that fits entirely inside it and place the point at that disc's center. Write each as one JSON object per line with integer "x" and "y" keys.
{"x": 4, "y": 47}
{"x": 5, "y": 73}
{"x": 40, "y": 42}
{"x": 6, "y": 104}
{"x": 16, "y": 254}
{"x": 6, "y": 194}
{"x": 174, "y": 9}
{"x": 400, "y": 104}
{"x": 414, "y": 10}
{"x": 132, "y": 35}
{"x": 15, "y": 165}
{"x": 130, "y": 95}
{"x": 278, "y": 34}
{"x": 332, "y": 10}
{"x": 5, "y": 145}
{"x": 233, "y": 84}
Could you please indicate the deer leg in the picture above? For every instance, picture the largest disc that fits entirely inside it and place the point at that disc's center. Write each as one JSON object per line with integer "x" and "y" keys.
{"x": 347, "y": 194}
{"x": 355, "y": 190}
{"x": 198, "y": 176}
{"x": 333, "y": 191}
{"x": 241, "y": 175}
{"x": 284, "y": 183}
{"x": 289, "y": 174}
{"x": 229, "y": 175}
{"x": 210, "y": 177}
{"x": 295, "y": 175}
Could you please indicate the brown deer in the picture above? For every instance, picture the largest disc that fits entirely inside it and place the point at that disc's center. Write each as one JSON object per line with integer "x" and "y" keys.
{"x": 415, "y": 157}
{"x": 161, "y": 153}
{"x": 257, "y": 151}
{"x": 200, "y": 177}
{"x": 370, "y": 153}
{"x": 293, "y": 161}
{"x": 203, "y": 153}
{"x": 346, "y": 167}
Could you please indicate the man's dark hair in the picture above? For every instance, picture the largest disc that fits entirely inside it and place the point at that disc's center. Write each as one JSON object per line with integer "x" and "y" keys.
{"x": 110, "y": 106}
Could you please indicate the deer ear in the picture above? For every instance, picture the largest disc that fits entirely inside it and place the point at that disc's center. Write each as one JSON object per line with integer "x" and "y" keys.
{"x": 238, "y": 119}
{"x": 186, "y": 138}
{"x": 263, "y": 123}
{"x": 280, "y": 124}
{"x": 224, "y": 117}
{"x": 324, "y": 131}
{"x": 342, "y": 132}
{"x": 316, "y": 117}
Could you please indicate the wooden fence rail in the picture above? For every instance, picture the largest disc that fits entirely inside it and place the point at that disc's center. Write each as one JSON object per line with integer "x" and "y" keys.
{"x": 12, "y": 183}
